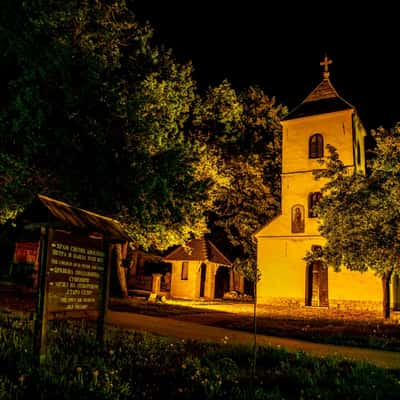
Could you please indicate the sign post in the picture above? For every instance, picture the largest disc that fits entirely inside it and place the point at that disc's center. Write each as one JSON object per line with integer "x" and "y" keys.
{"x": 74, "y": 274}
{"x": 40, "y": 327}
{"x": 106, "y": 293}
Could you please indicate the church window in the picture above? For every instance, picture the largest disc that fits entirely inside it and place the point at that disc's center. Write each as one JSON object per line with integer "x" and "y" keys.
{"x": 185, "y": 271}
{"x": 313, "y": 199}
{"x": 316, "y": 146}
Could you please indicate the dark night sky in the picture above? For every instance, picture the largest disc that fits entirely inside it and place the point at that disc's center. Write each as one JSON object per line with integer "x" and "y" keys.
{"x": 279, "y": 48}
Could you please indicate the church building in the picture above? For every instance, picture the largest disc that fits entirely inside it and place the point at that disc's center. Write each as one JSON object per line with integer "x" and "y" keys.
{"x": 322, "y": 118}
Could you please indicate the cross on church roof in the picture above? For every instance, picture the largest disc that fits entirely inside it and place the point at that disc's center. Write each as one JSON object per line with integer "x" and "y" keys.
{"x": 325, "y": 63}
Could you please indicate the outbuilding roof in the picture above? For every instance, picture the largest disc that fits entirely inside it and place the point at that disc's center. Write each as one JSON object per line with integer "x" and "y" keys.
{"x": 46, "y": 210}
{"x": 198, "y": 250}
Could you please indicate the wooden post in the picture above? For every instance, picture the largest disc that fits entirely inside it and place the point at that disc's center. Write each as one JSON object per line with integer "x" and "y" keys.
{"x": 232, "y": 283}
{"x": 40, "y": 327}
{"x": 105, "y": 293}
{"x": 255, "y": 324}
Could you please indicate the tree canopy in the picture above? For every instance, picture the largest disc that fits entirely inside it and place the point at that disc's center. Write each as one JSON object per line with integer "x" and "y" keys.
{"x": 360, "y": 213}
{"x": 242, "y": 129}
{"x": 93, "y": 113}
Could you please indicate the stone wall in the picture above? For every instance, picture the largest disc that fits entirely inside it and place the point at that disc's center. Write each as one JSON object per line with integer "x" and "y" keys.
{"x": 345, "y": 305}
{"x": 355, "y": 305}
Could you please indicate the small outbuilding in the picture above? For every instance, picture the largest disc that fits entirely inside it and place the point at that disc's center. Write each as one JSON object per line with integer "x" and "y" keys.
{"x": 200, "y": 270}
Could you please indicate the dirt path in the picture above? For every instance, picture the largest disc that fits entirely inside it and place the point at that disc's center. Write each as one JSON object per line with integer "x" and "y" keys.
{"x": 189, "y": 330}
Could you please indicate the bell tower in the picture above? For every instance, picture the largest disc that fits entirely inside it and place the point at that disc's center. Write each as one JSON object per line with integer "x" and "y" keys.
{"x": 322, "y": 118}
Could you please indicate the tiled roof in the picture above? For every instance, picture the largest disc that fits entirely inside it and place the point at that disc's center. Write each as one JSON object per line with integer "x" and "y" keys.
{"x": 323, "y": 99}
{"x": 44, "y": 209}
{"x": 198, "y": 250}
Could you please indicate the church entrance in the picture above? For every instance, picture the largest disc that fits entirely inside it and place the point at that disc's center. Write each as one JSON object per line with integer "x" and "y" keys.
{"x": 317, "y": 285}
{"x": 221, "y": 282}
{"x": 203, "y": 273}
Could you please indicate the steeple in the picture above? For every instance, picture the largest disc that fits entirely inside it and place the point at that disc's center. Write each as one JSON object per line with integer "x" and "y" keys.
{"x": 323, "y": 99}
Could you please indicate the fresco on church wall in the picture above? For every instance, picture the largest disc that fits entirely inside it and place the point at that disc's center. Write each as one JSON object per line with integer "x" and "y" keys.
{"x": 298, "y": 219}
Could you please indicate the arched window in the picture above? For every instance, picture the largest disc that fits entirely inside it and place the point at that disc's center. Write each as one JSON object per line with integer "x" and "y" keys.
{"x": 313, "y": 199}
{"x": 316, "y": 146}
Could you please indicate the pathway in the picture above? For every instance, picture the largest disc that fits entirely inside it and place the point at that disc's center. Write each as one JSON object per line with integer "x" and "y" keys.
{"x": 189, "y": 330}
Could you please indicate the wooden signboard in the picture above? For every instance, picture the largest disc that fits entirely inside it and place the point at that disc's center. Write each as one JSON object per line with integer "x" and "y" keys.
{"x": 75, "y": 273}
{"x": 73, "y": 281}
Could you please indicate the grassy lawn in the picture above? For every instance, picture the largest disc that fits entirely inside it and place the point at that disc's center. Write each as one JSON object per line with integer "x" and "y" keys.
{"x": 133, "y": 365}
{"x": 365, "y": 329}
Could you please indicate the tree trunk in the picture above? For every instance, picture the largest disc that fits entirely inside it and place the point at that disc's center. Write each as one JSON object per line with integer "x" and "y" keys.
{"x": 121, "y": 271}
{"x": 133, "y": 262}
{"x": 386, "y": 293}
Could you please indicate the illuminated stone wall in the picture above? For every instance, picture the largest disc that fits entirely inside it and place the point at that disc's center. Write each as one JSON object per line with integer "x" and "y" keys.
{"x": 284, "y": 276}
{"x": 185, "y": 288}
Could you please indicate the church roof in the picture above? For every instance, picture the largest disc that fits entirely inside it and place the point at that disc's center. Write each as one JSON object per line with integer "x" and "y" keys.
{"x": 198, "y": 250}
{"x": 323, "y": 99}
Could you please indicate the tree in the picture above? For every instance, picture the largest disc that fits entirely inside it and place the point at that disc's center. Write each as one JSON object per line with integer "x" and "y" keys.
{"x": 13, "y": 188}
{"x": 94, "y": 113}
{"x": 243, "y": 131}
{"x": 360, "y": 213}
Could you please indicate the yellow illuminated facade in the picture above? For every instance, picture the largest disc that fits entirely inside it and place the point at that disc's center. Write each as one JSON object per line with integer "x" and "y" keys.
{"x": 201, "y": 271}
{"x": 322, "y": 118}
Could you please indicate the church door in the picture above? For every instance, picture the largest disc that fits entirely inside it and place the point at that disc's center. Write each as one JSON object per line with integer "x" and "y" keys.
{"x": 221, "y": 282}
{"x": 203, "y": 273}
{"x": 317, "y": 285}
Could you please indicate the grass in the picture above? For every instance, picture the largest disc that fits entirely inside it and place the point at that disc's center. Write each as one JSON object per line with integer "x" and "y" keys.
{"x": 140, "y": 366}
